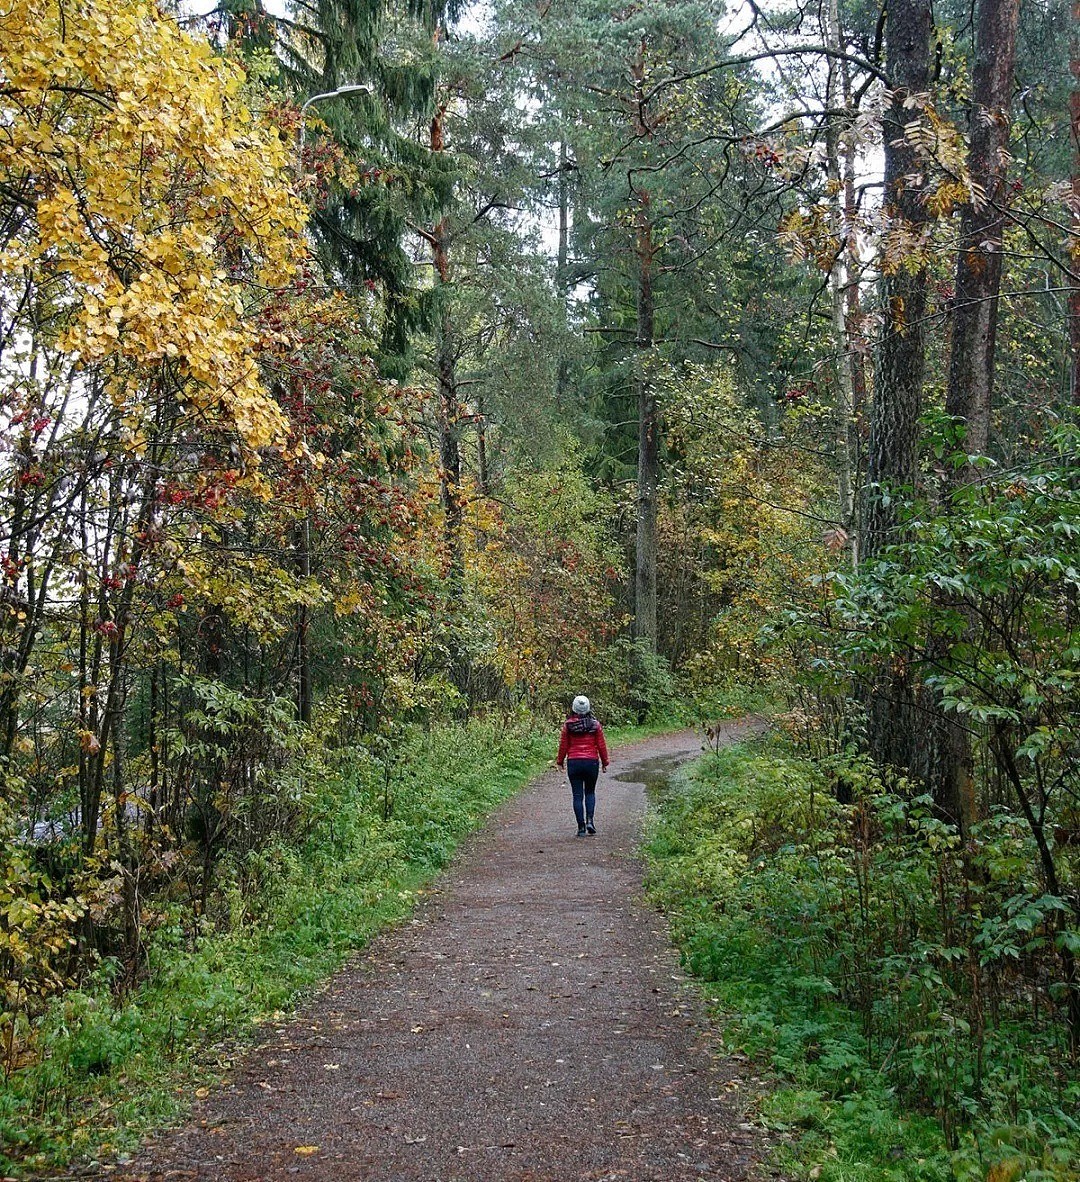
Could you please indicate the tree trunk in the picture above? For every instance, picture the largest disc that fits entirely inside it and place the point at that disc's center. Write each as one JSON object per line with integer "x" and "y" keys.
{"x": 562, "y": 277}
{"x": 648, "y": 440}
{"x": 855, "y": 318}
{"x": 303, "y": 626}
{"x": 893, "y": 447}
{"x": 644, "y": 627}
{"x": 892, "y": 459}
{"x": 944, "y": 761}
{"x": 1074, "y": 294}
{"x": 839, "y": 277}
{"x": 449, "y": 417}
{"x": 483, "y": 470}
{"x": 447, "y": 409}
{"x": 448, "y": 413}
{"x": 12, "y": 603}
{"x": 978, "y": 264}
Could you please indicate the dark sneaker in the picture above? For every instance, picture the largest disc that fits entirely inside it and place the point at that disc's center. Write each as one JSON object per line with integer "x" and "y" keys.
{"x": 581, "y": 831}
{"x": 590, "y": 828}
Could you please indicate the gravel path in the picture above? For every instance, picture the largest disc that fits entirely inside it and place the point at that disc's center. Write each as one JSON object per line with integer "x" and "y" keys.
{"x": 529, "y": 1023}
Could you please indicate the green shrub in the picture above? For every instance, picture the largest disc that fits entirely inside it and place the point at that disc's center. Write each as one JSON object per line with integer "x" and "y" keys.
{"x": 883, "y": 970}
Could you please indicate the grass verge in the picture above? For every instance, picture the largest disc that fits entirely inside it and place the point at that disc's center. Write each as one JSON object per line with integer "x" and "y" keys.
{"x": 753, "y": 863}
{"x": 287, "y": 917}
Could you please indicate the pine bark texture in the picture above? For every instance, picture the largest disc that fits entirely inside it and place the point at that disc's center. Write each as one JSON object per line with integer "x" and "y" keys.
{"x": 979, "y": 262}
{"x": 944, "y": 762}
{"x": 892, "y": 458}
{"x": 892, "y": 454}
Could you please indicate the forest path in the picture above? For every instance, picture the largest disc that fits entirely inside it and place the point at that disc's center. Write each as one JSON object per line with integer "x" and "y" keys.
{"x": 528, "y": 1023}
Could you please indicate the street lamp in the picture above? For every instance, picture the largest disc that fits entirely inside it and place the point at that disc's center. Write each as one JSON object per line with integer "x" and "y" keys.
{"x": 341, "y": 92}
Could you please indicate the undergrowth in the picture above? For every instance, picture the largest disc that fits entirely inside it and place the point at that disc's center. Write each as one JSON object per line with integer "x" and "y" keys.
{"x": 842, "y": 944}
{"x": 108, "y": 1069}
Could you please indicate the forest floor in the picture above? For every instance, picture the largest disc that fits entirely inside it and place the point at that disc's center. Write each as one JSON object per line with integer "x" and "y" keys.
{"x": 529, "y": 1022}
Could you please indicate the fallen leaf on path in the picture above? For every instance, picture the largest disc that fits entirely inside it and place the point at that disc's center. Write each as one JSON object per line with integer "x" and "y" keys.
{"x": 202, "y": 1093}
{"x": 306, "y": 1150}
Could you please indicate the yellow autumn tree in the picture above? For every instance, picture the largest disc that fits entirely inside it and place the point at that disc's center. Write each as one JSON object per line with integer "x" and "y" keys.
{"x": 542, "y": 573}
{"x": 145, "y": 214}
{"x": 142, "y": 202}
{"x": 737, "y": 526}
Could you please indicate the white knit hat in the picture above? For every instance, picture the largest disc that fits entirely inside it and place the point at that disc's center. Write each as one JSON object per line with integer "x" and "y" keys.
{"x": 581, "y": 705}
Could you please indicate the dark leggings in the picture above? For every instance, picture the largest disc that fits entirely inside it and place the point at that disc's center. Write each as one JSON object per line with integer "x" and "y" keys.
{"x": 582, "y": 774}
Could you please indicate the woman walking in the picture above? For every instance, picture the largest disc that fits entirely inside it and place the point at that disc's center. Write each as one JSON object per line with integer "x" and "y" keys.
{"x": 583, "y": 750}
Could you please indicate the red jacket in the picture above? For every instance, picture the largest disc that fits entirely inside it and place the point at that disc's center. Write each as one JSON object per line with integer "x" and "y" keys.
{"x": 591, "y": 746}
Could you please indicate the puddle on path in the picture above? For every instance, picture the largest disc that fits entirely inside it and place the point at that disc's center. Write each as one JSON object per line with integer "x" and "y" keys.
{"x": 656, "y": 773}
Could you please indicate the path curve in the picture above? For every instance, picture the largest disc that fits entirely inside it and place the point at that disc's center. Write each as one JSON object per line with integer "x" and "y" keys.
{"x": 528, "y": 1024}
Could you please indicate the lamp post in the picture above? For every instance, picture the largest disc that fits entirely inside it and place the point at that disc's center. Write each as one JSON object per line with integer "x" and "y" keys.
{"x": 303, "y": 657}
{"x": 341, "y": 92}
